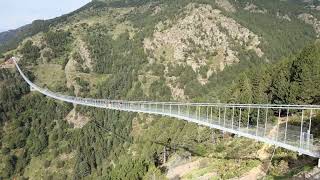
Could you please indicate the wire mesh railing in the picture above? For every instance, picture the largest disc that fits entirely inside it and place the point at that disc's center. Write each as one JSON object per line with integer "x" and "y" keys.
{"x": 287, "y": 126}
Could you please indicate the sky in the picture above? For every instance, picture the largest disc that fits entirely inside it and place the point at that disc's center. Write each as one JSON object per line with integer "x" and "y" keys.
{"x": 16, "y": 13}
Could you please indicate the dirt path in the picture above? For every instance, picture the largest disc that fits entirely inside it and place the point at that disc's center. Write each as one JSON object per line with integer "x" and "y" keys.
{"x": 254, "y": 173}
{"x": 264, "y": 156}
{"x": 259, "y": 171}
{"x": 181, "y": 170}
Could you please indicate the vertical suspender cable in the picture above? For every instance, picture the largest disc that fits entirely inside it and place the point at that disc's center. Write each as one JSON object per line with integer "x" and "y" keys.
{"x": 265, "y": 123}
{"x": 240, "y": 119}
{"x": 309, "y": 131}
{"x": 232, "y": 117}
{"x": 248, "y": 120}
{"x": 207, "y": 113}
{"x": 257, "y": 130}
{"x": 219, "y": 116}
{"x": 224, "y": 116}
{"x": 301, "y": 128}
{"x": 211, "y": 114}
{"x": 278, "y": 124}
{"x": 285, "y": 131}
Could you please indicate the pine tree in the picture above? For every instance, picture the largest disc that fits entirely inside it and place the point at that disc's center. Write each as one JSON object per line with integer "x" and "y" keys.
{"x": 245, "y": 89}
{"x": 306, "y": 75}
{"x": 280, "y": 85}
{"x": 260, "y": 80}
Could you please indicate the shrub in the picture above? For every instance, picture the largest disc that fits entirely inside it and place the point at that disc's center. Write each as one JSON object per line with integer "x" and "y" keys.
{"x": 5, "y": 150}
{"x": 60, "y": 164}
{"x": 46, "y": 163}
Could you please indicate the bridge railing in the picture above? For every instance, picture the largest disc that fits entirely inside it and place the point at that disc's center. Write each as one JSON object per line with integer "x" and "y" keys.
{"x": 287, "y": 126}
{"x": 284, "y": 125}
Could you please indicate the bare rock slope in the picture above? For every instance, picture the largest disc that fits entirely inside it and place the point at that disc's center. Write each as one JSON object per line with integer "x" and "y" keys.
{"x": 202, "y": 36}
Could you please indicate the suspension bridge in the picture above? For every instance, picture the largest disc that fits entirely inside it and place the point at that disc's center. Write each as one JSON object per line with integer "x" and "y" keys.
{"x": 286, "y": 126}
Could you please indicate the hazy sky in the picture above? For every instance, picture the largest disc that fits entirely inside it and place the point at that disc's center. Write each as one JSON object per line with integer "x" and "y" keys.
{"x": 16, "y": 13}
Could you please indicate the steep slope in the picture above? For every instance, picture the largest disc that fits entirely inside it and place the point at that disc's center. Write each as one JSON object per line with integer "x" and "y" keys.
{"x": 187, "y": 50}
{"x": 10, "y": 39}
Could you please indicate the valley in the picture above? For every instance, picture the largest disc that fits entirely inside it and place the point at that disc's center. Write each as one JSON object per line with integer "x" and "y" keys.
{"x": 190, "y": 51}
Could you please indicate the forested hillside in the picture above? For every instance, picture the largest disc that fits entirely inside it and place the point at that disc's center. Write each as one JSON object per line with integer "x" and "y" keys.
{"x": 158, "y": 50}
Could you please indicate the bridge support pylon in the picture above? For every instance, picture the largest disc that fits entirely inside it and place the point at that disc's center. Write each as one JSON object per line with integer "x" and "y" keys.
{"x": 318, "y": 163}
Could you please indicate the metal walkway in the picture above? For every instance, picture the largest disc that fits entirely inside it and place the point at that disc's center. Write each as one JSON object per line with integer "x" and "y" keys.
{"x": 286, "y": 126}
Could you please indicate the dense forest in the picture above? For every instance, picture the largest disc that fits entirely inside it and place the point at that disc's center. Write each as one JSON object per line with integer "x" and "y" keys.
{"x": 38, "y": 141}
{"x": 293, "y": 80}
{"x": 35, "y": 132}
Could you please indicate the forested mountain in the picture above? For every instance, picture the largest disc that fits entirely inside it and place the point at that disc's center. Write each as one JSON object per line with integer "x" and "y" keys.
{"x": 159, "y": 50}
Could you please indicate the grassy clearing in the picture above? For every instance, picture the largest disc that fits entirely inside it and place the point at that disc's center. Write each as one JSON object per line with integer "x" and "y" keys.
{"x": 122, "y": 28}
{"x": 223, "y": 168}
{"x": 93, "y": 79}
{"x": 50, "y": 75}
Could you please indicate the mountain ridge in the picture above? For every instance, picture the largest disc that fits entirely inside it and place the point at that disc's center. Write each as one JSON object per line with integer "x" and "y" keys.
{"x": 177, "y": 50}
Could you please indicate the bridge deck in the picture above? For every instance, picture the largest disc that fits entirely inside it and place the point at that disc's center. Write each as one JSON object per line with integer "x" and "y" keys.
{"x": 274, "y": 130}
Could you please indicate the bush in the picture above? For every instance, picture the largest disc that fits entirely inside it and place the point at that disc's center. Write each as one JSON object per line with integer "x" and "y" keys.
{"x": 48, "y": 177}
{"x": 46, "y": 163}
{"x": 219, "y": 148}
{"x": 30, "y": 52}
{"x": 60, "y": 164}
{"x": 8, "y": 56}
{"x": 5, "y": 150}
{"x": 203, "y": 71}
{"x": 55, "y": 153}
{"x": 193, "y": 88}
{"x": 9, "y": 166}
{"x": 83, "y": 169}
{"x": 158, "y": 69}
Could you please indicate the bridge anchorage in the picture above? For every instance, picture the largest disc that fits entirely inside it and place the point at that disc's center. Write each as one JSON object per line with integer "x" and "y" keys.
{"x": 286, "y": 126}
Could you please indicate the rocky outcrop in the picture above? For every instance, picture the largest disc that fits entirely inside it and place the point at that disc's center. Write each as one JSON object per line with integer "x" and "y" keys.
{"x": 283, "y": 17}
{"x": 254, "y": 9}
{"x": 177, "y": 93}
{"x": 310, "y": 19}
{"x": 77, "y": 119}
{"x": 226, "y": 5}
{"x": 202, "y": 36}
{"x": 84, "y": 53}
